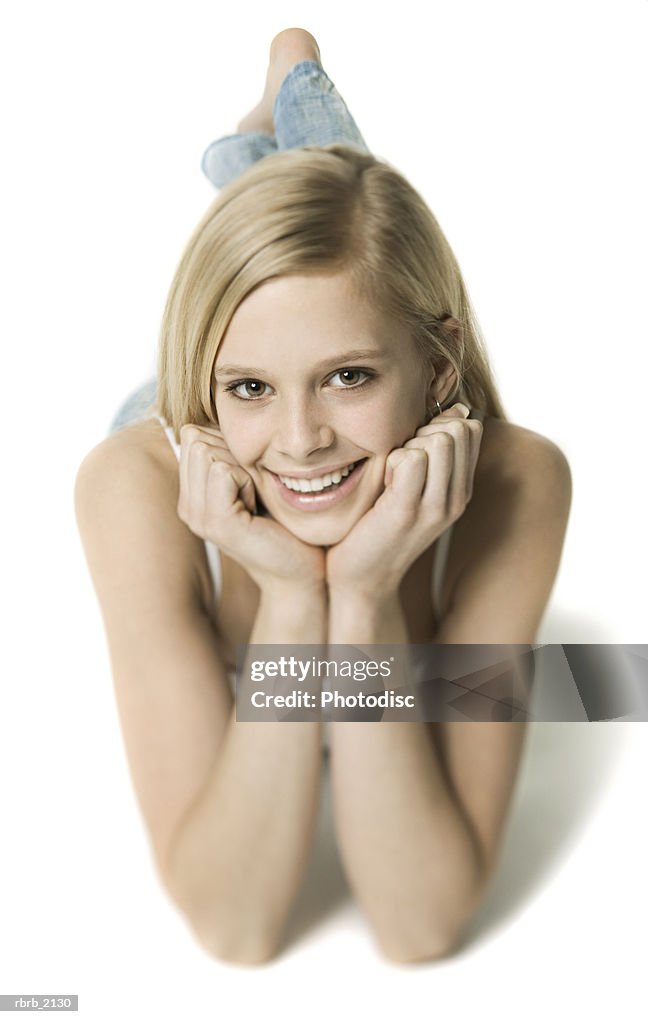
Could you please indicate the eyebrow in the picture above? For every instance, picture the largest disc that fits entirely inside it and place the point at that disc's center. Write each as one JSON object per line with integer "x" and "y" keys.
{"x": 342, "y": 357}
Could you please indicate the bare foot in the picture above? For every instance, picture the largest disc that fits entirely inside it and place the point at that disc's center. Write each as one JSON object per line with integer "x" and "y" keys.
{"x": 287, "y": 48}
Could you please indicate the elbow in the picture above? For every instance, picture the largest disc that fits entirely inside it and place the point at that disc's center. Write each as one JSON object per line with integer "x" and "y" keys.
{"x": 227, "y": 934}
{"x": 424, "y": 941}
{"x": 424, "y": 949}
{"x": 232, "y": 937}
{"x": 240, "y": 946}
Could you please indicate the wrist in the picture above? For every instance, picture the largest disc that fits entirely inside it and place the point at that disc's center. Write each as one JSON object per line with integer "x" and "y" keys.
{"x": 293, "y": 593}
{"x": 346, "y": 596}
{"x": 357, "y": 617}
{"x": 381, "y": 588}
{"x": 291, "y": 615}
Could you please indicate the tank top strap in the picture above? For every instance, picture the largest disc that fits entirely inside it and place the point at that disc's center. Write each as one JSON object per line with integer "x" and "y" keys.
{"x": 212, "y": 552}
{"x": 169, "y": 433}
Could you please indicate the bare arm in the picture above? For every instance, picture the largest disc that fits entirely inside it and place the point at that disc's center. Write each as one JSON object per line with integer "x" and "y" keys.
{"x": 410, "y": 856}
{"x": 229, "y": 806}
{"x": 420, "y": 809}
{"x": 240, "y": 851}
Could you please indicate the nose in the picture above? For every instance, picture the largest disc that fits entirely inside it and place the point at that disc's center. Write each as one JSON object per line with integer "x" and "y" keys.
{"x": 303, "y": 429}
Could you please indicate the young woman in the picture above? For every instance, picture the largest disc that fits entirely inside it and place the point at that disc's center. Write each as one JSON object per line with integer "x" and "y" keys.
{"x": 317, "y": 323}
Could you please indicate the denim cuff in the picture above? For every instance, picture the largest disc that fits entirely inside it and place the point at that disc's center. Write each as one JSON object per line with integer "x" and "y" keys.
{"x": 309, "y": 111}
{"x": 229, "y": 156}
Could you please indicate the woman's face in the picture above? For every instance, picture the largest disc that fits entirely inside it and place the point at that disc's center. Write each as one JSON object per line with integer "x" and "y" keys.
{"x": 310, "y": 379}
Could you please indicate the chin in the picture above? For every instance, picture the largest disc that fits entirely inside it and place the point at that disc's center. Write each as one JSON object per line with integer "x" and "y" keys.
{"x": 323, "y": 538}
{"x": 321, "y": 535}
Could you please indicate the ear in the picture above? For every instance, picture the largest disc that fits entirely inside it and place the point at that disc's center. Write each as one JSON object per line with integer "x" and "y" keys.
{"x": 440, "y": 386}
{"x": 445, "y": 380}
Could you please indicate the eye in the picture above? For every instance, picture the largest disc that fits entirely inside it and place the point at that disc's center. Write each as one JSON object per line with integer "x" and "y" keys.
{"x": 349, "y": 385}
{"x": 249, "y": 383}
{"x": 254, "y": 389}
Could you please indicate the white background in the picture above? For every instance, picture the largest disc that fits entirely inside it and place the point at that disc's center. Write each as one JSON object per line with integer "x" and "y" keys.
{"x": 523, "y": 126}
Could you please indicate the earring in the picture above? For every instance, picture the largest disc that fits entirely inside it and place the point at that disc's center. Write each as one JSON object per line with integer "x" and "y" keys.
{"x": 437, "y": 412}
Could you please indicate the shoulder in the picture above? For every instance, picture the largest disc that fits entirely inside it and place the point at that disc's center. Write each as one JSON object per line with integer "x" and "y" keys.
{"x": 126, "y": 496}
{"x": 140, "y": 448}
{"x": 134, "y": 467}
{"x": 520, "y": 463}
{"x": 510, "y": 538}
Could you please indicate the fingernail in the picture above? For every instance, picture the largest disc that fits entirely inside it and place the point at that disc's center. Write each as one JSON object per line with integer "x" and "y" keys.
{"x": 462, "y": 409}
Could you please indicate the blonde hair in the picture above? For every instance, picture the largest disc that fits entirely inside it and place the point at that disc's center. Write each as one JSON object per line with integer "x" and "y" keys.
{"x": 318, "y": 209}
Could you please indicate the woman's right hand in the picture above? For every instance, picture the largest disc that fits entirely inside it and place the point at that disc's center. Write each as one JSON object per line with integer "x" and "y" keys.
{"x": 218, "y": 503}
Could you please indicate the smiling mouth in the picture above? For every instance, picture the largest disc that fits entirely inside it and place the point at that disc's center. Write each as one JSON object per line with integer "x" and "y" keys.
{"x": 317, "y": 485}
{"x": 323, "y": 494}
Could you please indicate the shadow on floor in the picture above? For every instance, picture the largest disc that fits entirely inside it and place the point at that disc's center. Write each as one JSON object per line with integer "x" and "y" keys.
{"x": 565, "y": 768}
{"x": 325, "y": 888}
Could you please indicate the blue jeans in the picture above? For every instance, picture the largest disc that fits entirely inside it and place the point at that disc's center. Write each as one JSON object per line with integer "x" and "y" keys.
{"x": 308, "y": 111}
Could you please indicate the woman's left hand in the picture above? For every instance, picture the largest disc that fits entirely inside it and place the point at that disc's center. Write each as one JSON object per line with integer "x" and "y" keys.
{"x": 428, "y": 484}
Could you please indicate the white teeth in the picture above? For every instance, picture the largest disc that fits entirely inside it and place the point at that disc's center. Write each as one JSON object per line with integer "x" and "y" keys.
{"x": 318, "y": 483}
